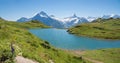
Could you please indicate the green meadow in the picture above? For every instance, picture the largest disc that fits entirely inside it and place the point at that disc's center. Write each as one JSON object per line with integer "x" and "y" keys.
{"x": 100, "y": 28}
{"x": 104, "y": 55}
{"x": 28, "y": 45}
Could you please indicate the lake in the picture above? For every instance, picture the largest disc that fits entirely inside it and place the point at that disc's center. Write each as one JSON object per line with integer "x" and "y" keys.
{"x": 60, "y": 38}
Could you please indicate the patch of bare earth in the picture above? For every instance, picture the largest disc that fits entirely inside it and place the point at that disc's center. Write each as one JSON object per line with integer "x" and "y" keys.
{"x": 20, "y": 59}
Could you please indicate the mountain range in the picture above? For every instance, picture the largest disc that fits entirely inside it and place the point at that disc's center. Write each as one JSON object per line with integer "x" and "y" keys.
{"x": 64, "y": 22}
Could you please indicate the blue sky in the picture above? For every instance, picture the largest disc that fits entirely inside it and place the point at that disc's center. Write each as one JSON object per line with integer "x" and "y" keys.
{"x": 14, "y": 9}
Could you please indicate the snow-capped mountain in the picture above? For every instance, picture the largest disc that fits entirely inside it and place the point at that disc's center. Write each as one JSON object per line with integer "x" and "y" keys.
{"x": 115, "y": 16}
{"x": 63, "y": 22}
{"x": 110, "y": 16}
{"x": 106, "y": 16}
{"x": 90, "y": 19}
{"x": 74, "y": 20}
{"x": 42, "y": 14}
{"x": 71, "y": 21}
{"x": 44, "y": 18}
{"x": 54, "y": 21}
{"x": 58, "y": 19}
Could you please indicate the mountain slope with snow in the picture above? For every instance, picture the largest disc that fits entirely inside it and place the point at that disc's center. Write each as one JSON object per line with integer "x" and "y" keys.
{"x": 71, "y": 21}
{"x": 74, "y": 20}
{"x": 90, "y": 19}
{"x": 110, "y": 16}
{"x": 63, "y": 22}
{"x": 44, "y": 18}
{"x": 56, "y": 22}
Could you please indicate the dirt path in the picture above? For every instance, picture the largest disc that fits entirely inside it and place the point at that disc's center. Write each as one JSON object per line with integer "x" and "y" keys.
{"x": 80, "y": 53}
{"x": 91, "y": 60}
{"x": 20, "y": 59}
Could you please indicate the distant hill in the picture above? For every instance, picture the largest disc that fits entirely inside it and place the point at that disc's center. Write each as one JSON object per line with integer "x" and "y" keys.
{"x": 100, "y": 28}
{"x": 25, "y": 25}
{"x": 1, "y": 18}
{"x": 23, "y": 19}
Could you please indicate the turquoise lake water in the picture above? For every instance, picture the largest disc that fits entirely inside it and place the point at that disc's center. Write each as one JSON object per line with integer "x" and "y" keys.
{"x": 60, "y": 38}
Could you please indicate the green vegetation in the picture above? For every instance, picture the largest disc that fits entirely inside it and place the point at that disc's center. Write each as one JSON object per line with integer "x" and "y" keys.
{"x": 101, "y": 28}
{"x": 25, "y": 25}
{"x": 104, "y": 55}
{"x": 28, "y": 45}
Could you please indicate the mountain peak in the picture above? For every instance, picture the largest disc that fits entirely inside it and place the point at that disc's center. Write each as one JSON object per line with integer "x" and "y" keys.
{"x": 74, "y": 15}
{"x": 43, "y": 14}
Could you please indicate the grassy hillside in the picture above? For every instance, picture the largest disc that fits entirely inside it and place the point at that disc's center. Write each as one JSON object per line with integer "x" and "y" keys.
{"x": 104, "y": 55}
{"x": 25, "y": 25}
{"x": 101, "y": 28}
{"x": 27, "y": 45}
